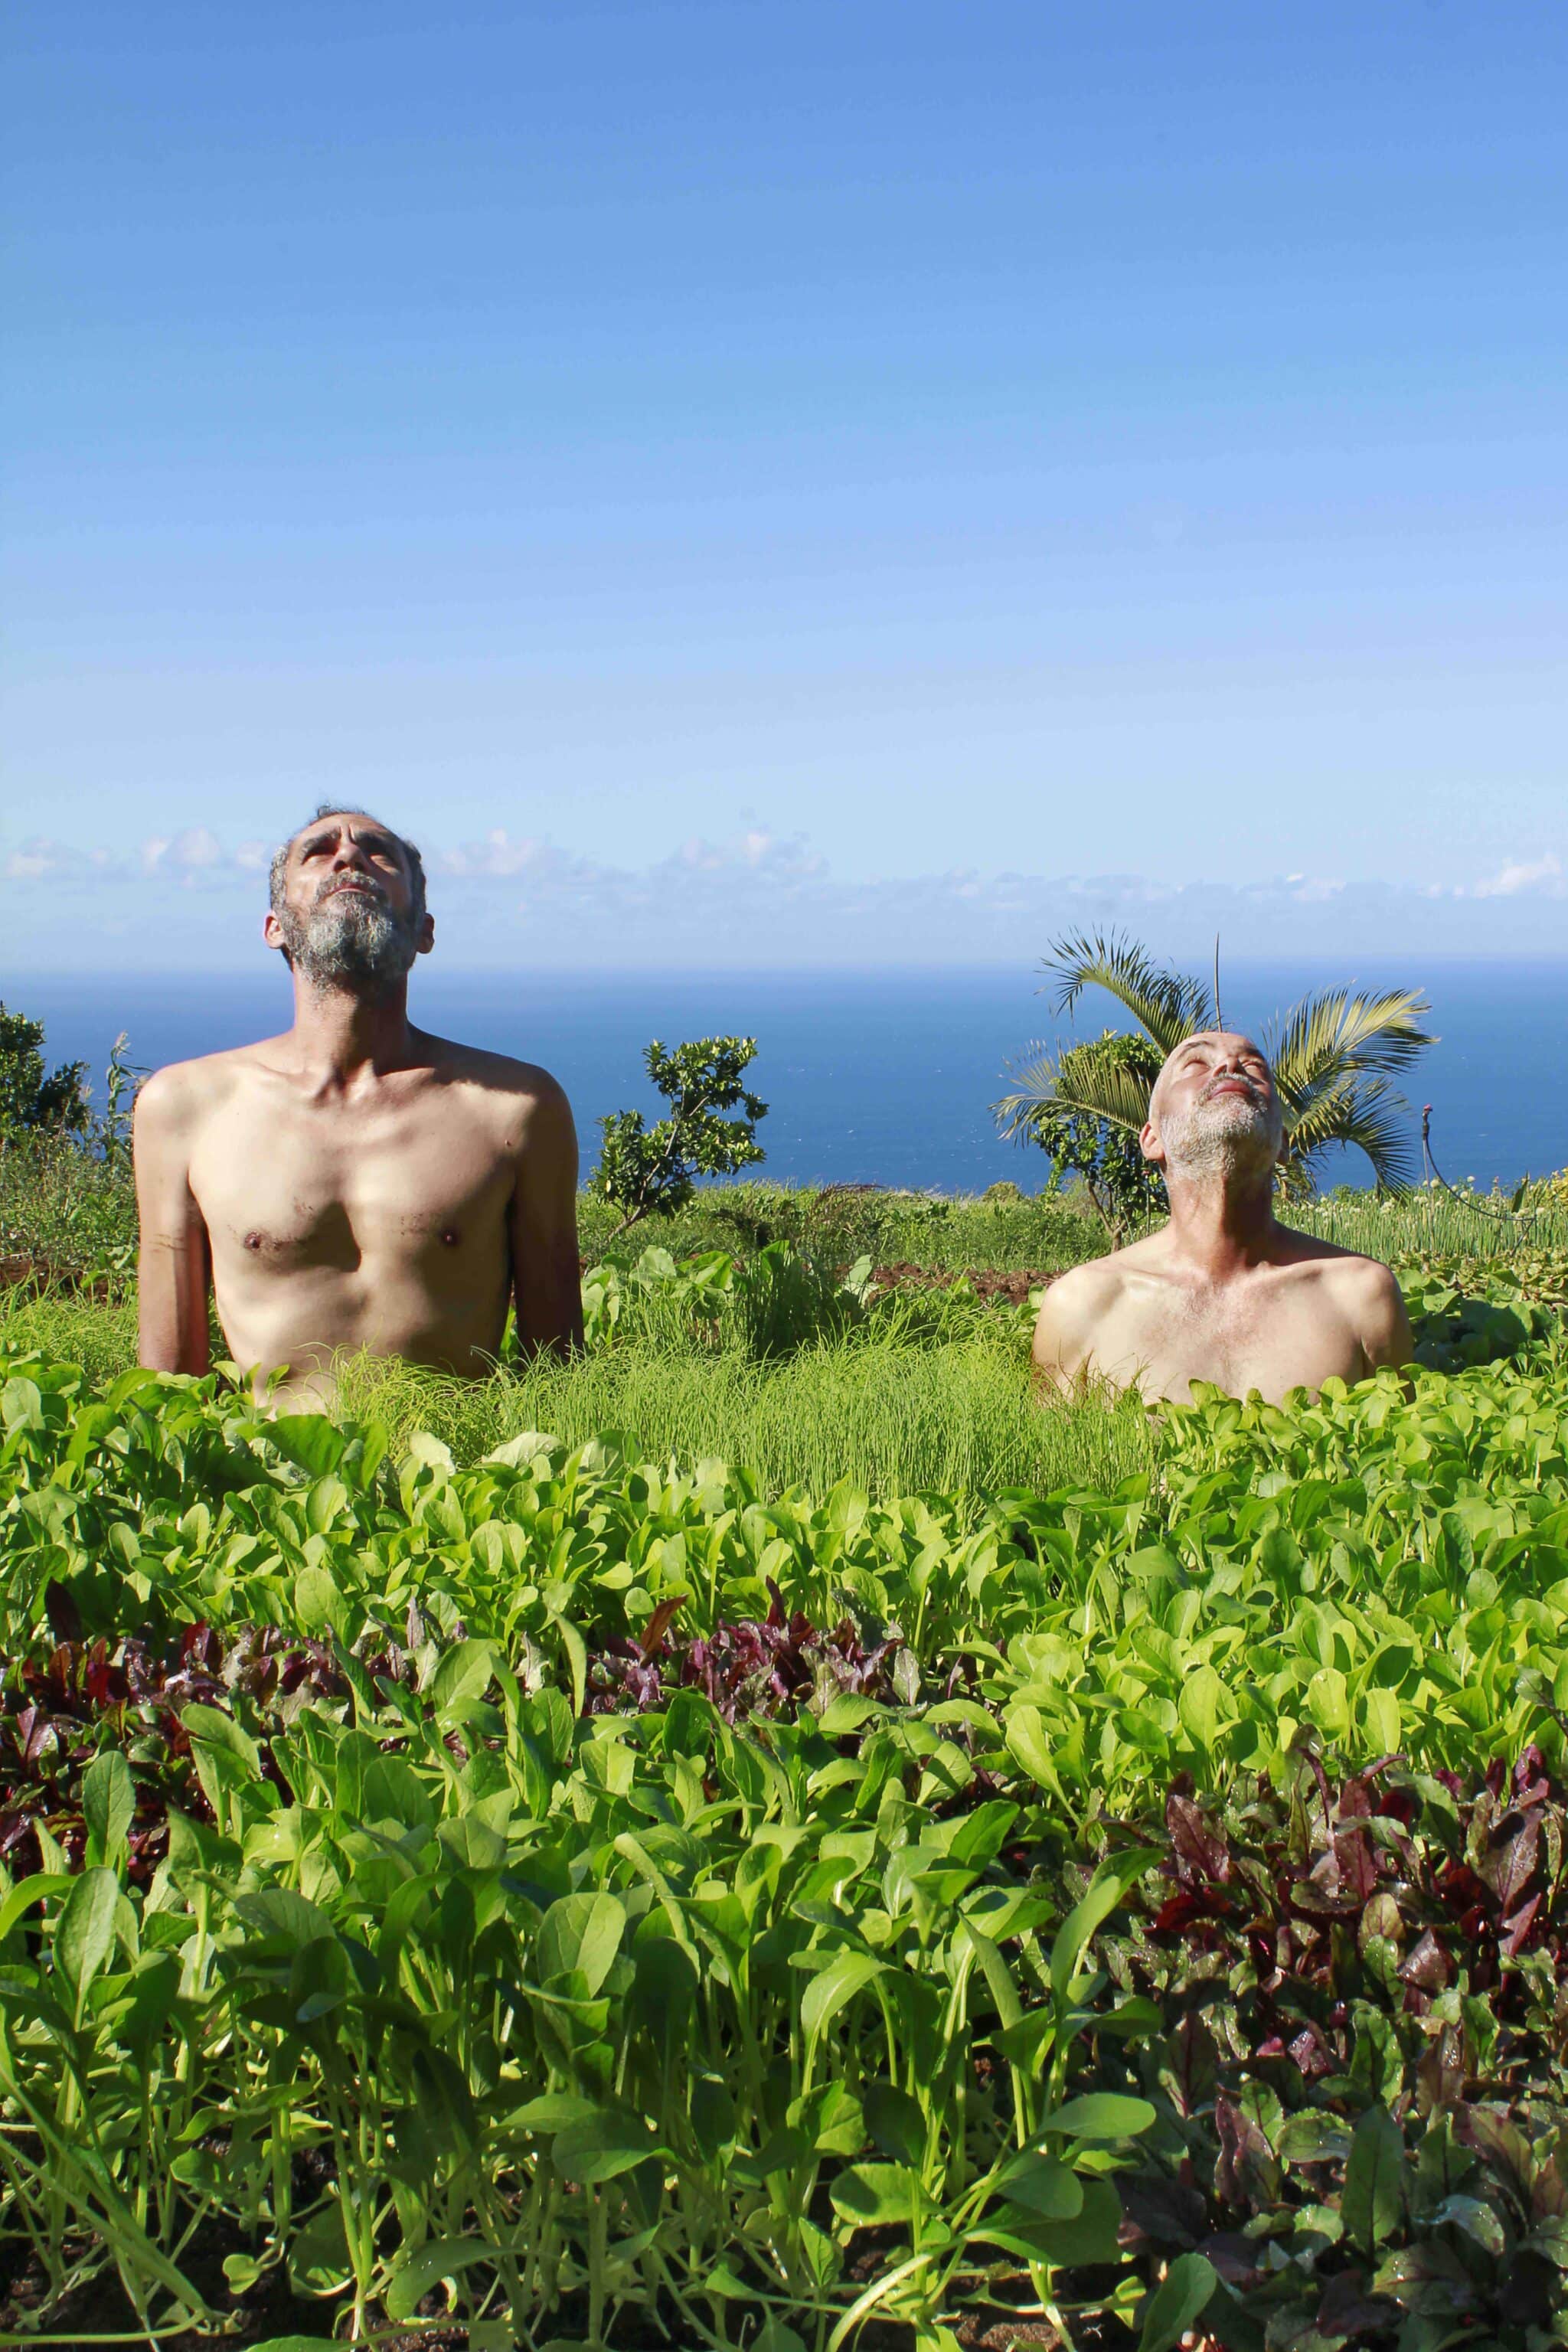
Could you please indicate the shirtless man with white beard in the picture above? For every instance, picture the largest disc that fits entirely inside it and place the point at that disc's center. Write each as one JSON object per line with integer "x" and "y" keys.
{"x": 355, "y": 1182}
{"x": 1224, "y": 1293}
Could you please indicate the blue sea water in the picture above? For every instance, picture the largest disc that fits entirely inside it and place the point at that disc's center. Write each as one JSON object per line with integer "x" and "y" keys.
{"x": 880, "y": 1077}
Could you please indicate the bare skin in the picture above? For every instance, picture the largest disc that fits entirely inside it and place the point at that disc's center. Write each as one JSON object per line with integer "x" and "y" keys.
{"x": 1224, "y": 1293}
{"x": 355, "y": 1182}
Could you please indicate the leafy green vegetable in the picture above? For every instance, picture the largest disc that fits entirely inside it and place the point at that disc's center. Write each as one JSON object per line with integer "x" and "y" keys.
{"x": 570, "y": 1894}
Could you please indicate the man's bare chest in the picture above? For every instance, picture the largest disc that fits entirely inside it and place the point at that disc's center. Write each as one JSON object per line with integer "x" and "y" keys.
{"x": 1270, "y": 1334}
{"x": 285, "y": 1187}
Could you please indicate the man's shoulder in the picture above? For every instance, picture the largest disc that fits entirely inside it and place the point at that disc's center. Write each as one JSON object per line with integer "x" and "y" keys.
{"x": 181, "y": 1091}
{"x": 1365, "y": 1280}
{"x": 1344, "y": 1269}
{"x": 1086, "y": 1286}
{"x": 519, "y": 1103}
{"x": 1149, "y": 1255}
{"x": 501, "y": 1074}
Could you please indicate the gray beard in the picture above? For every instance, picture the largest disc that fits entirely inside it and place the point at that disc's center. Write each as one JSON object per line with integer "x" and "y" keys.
{"x": 1229, "y": 1137}
{"x": 349, "y": 942}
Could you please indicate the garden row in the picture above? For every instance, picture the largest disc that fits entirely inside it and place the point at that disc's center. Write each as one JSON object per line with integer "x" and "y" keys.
{"x": 562, "y": 1897}
{"x": 1377, "y": 1572}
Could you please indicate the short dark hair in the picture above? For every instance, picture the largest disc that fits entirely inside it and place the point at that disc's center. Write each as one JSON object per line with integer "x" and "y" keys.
{"x": 335, "y": 808}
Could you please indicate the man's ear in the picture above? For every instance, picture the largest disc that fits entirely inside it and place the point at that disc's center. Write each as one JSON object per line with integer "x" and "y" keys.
{"x": 1148, "y": 1143}
{"x": 425, "y": 938}
{"x": 272, "y": 930}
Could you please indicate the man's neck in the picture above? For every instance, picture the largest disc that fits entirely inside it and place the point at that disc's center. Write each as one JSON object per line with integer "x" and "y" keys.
{"x": 1224, "y": 1221}
{"x": 340, "y": 1037}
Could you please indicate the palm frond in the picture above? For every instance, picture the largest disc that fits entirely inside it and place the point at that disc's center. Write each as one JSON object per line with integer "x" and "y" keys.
{"x": 1331, "y": 1057}
{"x": 1166, "y": 1005}
{"x": 1337, "y": 1031}
{"x": 1364, "y": 1111}
{"x": 1096, "y": 1086}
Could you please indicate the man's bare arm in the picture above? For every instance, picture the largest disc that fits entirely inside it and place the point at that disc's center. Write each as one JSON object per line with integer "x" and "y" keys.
{"x": 173, "y": 1266}
{"x": 1064, "y": 1333}
{"x": 547, "y": 1282}
{"x": 1385, "y": 1335}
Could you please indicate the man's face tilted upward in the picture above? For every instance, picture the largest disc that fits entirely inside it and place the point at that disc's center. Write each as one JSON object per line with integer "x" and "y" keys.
{"x": 1214, "y": 1109}
{"x": 347, "y": 905}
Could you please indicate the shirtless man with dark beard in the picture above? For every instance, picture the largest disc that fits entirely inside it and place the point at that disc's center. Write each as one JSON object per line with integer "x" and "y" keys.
{"x": 355, "y": 1182}
{"x": 1224, "y": 1293}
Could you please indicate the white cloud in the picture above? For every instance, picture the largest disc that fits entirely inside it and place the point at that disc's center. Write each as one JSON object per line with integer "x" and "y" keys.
{"x": 761, "y": 897}
{"x": 196, "y": 856}
{"x": 196, "y": 850}
{"x": 498, "y": 857}
{"x": 33, "y": 863}
{"x": 43, "y": 860}
{"x": 781, "y": 857}
{"x": 194, "y": 853}
{"x": 1540, "y": 874}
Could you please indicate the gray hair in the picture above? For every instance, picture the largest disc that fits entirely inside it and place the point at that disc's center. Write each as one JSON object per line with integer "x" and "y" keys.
{"x": 280, "y": 865}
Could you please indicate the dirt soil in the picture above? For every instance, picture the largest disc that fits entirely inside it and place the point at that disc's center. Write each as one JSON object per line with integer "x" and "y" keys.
{"x": 37, "y": 1274}
{"x": 99, "y": 2311}
{"x": 100, "y": 2308}
{"x": 984, "y": 1280}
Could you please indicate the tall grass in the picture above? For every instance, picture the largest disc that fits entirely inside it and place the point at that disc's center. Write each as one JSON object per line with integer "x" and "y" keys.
{"x": 960, "y": 1415}
{"x": 101, "y": 1339}
{"x": 773, "y": 1368}
{"x": 881, "y": 1409}
{"x": 1431, "y": 1222}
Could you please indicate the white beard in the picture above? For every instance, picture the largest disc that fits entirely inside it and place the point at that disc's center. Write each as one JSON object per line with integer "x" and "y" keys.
{"x": 1229, "y": 1135}
{"x": 349, "y": 940}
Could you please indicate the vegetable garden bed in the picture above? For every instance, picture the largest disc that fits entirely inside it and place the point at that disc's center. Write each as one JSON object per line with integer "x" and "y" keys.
{"x": 567, "y": 1899}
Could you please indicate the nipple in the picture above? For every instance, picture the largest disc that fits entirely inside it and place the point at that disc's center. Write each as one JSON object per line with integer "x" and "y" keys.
{"x": 253, "y": 1241}
{"x": 450, "y": 1237}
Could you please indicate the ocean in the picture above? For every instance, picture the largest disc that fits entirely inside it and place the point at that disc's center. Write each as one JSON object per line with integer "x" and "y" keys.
{"x": 881, "y": 1078}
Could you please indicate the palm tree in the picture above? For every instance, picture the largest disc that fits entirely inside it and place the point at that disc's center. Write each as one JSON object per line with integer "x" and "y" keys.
{"x": 1333, "y": 1057}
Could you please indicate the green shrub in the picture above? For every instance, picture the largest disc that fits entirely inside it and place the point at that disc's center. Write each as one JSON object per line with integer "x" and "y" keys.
{"x": 30, "y": 1101}
{"x": 651, "y": 1172}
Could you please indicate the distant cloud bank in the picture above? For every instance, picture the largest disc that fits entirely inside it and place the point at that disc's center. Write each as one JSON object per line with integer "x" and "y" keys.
{"x": 760, "y": 898}
{"x": 1541, "y": 876}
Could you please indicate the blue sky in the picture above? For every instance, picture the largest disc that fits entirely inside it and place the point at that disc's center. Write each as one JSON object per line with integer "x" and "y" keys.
{"x": 743, "y": 479}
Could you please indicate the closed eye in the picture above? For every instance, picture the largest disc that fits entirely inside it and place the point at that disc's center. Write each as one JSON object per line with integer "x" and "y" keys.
{"x": 376, "y": 845}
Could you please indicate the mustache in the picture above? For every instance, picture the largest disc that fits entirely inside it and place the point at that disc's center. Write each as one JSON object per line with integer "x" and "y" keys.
{"x": 356, "y": 885}
{"x": 1254, "y": 1092}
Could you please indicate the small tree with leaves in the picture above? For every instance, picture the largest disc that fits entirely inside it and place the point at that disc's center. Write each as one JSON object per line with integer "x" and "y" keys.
{"x": 1123, "y": 1188}
{"x": 30, "y": 1101}
{"x": 652, "y": 1171}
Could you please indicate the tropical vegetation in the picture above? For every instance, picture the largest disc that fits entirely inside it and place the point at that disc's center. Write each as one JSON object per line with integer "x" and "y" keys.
{"x": 1101, "y": 1155}
{"x": 1334, "y": 1057}
{"x": 767, "y": 1838}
